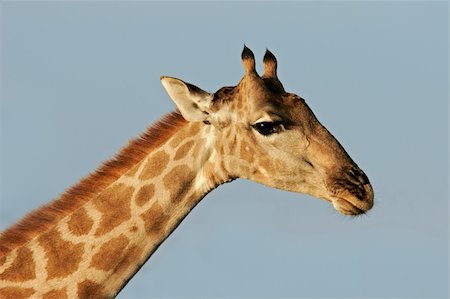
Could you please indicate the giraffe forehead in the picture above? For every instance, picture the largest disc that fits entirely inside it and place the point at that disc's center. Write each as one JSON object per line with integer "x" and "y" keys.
{"x": 242, "y": 105}
{"x": 251, "y": 89}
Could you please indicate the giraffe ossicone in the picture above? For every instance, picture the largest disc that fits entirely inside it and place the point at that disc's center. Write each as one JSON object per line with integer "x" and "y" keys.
{"x": 92, "y": 239}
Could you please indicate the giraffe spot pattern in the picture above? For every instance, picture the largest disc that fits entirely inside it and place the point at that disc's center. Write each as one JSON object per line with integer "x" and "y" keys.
{"x": 183, "y": 150}
{"x": 178, "y": 181}
{"x": 155, "y": 165}
{"x": 132, "y": 172}
{"x": 178, "y": 138}
{"x": 56, "y": 294}
{"x": 198, "y": 147}
{"x": 22, "y": 268}
{"x": 193, "y": 199}
{"x": 145, "y": 194}
{"x": 90, "y": 289}
{"x": 132, "y": 257}
{"x": 183, "y": 134}
{"x": 110, "y": 254}
{"x": 2, "y": 260}
{"x": 79, "y": 223}
{"x": 114, "y": 204}
{"x": 63, "y": 257}
{"x": 15, "y": 293}
{"x": 154, "y": 219}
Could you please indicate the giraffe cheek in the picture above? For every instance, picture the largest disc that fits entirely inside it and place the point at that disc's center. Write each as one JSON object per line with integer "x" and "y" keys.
{"x": 247, "y": 152}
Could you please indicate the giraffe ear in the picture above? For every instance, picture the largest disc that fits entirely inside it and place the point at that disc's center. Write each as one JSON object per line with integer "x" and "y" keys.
{"x": 192, "y": 101}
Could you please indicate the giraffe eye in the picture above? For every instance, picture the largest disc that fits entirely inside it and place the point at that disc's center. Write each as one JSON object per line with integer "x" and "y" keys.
{"x": 267, "y": 127}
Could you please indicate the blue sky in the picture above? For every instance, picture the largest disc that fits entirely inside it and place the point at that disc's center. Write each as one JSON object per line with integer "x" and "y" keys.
{"x": 79, "y": 79}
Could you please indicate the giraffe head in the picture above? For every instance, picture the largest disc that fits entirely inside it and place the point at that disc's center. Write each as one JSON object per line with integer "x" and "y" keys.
{"x": 270, "y": 136}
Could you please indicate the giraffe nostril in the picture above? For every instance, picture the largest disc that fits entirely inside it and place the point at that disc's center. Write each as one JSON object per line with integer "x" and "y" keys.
{"x": 363, "y": 179}
{"x": 359, "y": 176}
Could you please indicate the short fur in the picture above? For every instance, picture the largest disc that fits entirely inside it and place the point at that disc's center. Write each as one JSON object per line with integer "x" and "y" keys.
{"x": 42, "y": 219}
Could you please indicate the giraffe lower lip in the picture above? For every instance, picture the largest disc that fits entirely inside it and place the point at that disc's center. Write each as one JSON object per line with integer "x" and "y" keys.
{"x": 346, "y": 207}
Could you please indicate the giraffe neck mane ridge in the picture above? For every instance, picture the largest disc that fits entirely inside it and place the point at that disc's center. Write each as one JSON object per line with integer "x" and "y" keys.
{"x": 42, "y": 219}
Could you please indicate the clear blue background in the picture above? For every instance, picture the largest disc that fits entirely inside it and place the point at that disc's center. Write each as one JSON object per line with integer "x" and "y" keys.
{"x": 79, "y": 79}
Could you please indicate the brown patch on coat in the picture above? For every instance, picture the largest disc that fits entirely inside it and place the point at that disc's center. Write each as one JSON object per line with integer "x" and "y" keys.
{"x": 15, "y": 293}
{"x": 63, "y": 257}
{"x": 110, "y": 254}
{"x": 198, "y": 147}
{"x": 2, "y": 260}
{"x": 133, "y": 171}
{"x": 178, "y": 181}
{"x": 114, "y": 204}
{"x": 154, "y": 219}
{"x": 90, "y": 289}
{"x": 193, "y": 199}
{"x": 178, "y": 138}
{"x": 80, "y": 223}
{"x": 186, "y": 132}
{"x": 145, "y": 194}
{"x": 22, "y": 268}
{"x": 131, "y": 257}
{"x": 155, "y": 165}
{"x": 183, "y": 150}
{"x": 56, "y": 294}
{"x": 47, "y": 216}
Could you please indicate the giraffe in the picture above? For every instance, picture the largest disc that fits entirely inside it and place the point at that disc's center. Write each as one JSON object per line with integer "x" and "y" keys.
{"x": 89, "y": 242}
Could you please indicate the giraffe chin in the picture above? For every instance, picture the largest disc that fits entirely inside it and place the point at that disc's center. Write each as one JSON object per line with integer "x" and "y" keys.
{"x": 346, "y": 207}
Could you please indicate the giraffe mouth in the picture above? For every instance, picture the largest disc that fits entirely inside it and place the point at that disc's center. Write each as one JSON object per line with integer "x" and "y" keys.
{"x": 349, "y": 202}
{"x": 346, "y": 207}
{"x": 351, "y": 193}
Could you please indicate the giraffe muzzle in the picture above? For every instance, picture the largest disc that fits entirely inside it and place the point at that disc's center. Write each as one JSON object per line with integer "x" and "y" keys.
{"x": 352, "y": 193}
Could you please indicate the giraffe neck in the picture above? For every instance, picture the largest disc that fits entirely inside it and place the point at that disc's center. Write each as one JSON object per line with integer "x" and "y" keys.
{"x": 171, "y": 182}
{"x": 96, "y": 249}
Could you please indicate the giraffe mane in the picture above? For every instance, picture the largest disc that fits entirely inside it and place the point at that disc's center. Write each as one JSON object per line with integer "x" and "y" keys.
{"x": 45, "y": 217}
